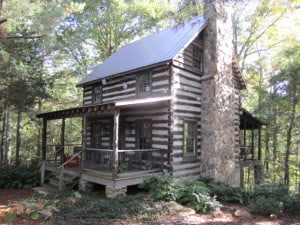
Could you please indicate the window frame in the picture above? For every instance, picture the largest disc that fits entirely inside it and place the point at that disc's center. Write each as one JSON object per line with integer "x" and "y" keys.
{"x": 198, "y": 58}
{"x": 97, "y": 96}
{"x": 188, "y": 135}
{"x": 140, "y": 81}
{"x": 141, "y": 133}
{"x": 104, "y": 131}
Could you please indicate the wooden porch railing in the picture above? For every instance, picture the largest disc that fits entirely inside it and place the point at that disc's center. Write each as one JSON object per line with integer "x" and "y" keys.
{"x": 128, "y": 160}
{"x": 247, "y": 153}
{"x": 57, "y": 162}
{"x": 61, "y": 168}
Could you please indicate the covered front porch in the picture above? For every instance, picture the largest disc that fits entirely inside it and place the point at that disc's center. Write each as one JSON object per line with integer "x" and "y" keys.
{"x": 101, "y": 157}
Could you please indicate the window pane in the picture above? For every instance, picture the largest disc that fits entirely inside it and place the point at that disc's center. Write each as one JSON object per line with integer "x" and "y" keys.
{"x": 144, "y": 134}
{"x": 97, "y": 94}
{"x": 197, "y": 58}
{"x": 144, "y": 82}
{"x": 190, "y": 135}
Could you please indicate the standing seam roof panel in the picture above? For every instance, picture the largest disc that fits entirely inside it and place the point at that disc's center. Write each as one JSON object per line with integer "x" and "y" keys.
{"x": 157, "y": 48}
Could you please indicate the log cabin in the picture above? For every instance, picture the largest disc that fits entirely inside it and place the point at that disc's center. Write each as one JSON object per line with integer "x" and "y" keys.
{"x": 170, "y": 103}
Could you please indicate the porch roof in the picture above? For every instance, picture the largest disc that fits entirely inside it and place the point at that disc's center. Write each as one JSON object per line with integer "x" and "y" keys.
{"x": 248, "y": 121}
{"x": 107, "y": 108}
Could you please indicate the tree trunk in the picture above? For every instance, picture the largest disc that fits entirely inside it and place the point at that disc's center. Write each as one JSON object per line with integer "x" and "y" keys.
{"x": 2, "y": 137}
{"x": 38, "y": 152}
{"x": 291, "y": 124}
{"x": 19, "y": 138}
{"x": 275, "y": 142}
{"x": 7, "y": 137}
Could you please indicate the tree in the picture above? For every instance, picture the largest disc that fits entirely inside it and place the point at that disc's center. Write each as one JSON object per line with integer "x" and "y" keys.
{"x": 287, "y": 82}
{"x": 93, "y": 32}
{"x": 22, "y": 81}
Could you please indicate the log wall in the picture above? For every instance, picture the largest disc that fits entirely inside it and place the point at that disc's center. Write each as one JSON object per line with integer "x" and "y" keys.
{"x": 185, "y": 106}
{"x": 114, "y": 89}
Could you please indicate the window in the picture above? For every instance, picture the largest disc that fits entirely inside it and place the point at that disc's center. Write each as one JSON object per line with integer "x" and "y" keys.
{"x": 96, "y": 135}
{"x": 101, "y": 135}
{"x": 144, "y": 83}
{"x": 144, "y": 134}
{"x": 97, "y": 93}
{"x": 197, "y": 58}
{"x": 189, "y": 137}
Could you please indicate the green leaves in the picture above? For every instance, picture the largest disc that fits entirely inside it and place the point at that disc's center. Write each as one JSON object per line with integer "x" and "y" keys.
{"x": 10, "y": 216}
{"x": 19, "y": 177}
{"x": 191, "y": 192}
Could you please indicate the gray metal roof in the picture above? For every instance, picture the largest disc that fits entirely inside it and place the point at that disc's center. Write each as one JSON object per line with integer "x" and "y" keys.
{"x": 151, "y": 50}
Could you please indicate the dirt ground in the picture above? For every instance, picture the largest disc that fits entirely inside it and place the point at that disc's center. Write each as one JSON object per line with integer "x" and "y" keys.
{"x": 230, "y": 214}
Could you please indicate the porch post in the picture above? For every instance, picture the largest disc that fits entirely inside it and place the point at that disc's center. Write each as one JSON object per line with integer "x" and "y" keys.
{"x": 83, "y": 154}
{"x": 252, "y": 142}
{"x": 115, "y": 142}
{"x": 62, "y": 137}
{"x": 259, "y": 143}
{"x": 44, "y": 139}
{"x": 245, "y": 130}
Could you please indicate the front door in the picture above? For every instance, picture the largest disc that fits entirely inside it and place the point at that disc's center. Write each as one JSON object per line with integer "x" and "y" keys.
{"x": 144, "y": 134}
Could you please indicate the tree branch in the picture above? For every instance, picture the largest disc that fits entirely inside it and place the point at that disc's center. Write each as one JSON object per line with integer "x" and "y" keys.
{"x": 3, "y": 21}
{"x": 25, "y": 37}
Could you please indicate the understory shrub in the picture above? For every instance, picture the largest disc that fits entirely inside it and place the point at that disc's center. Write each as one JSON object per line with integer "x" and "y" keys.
{"x": 162, "y": 187}
{"x": 226, "y": 193}
{"x": 19, "y": 177}
{"x": 267, "y": 198}
{"x": 192, "y": 193}
{"x": 270, "y": 190}
{"x": 264, "y": 206}
{"x": 291, "y": 204}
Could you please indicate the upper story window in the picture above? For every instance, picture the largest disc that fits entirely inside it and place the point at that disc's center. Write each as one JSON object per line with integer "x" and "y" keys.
{"x": 97, "y": 93}
{"x": 197, "y": 58}
{"x": 143, "y": 81}
{"x": 189, "y": 137}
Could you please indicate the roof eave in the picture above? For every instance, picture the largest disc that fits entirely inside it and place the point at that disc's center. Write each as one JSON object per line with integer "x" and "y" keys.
{"x": 238, "y": 72}
{"x": 192, "y": 39}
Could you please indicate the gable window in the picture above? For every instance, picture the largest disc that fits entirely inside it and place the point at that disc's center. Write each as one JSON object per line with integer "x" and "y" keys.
{"x": 144, "y": 83}
{"x": 197, "y": 58}
{"x": 189, "y": 137}
{"x": 97, "y": 93}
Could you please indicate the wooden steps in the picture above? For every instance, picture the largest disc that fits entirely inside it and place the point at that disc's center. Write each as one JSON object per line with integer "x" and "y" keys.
{"x": 69, "y": 181}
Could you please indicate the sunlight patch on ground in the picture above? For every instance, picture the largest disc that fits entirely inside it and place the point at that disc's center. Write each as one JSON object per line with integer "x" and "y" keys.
{"x": 269, "y": 223}
{"x": 195, "y": 219}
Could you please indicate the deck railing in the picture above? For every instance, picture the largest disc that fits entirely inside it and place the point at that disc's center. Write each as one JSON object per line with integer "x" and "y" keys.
{"x": 128, "y": 160}
{"x": 54, "y": 152}
{"x": 57, "y": 155}
{"x": 247, "y": 153}
{"x": 132, "y": 162}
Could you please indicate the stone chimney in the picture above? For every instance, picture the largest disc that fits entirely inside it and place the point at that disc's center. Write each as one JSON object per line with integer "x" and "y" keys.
{"x": 220, "y": 105}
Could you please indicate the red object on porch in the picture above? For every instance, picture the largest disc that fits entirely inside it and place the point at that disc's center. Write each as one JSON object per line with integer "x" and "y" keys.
{"x": 73, "y": 163}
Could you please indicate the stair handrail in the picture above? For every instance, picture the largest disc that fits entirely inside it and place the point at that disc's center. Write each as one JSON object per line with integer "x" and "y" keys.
{"x": 70, "y": 159}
